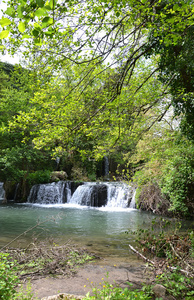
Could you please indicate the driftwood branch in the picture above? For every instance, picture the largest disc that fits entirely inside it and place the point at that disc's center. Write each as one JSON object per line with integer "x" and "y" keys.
{"x": 141, "y": 255}
{"x": 189, "y": 266}
{"x": 153, "y": 263}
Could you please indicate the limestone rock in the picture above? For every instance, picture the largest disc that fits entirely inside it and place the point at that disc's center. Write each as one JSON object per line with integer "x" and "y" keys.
{"x": 159, "y": 291}
{"x": 58, "y": 175}
{"x": 63, "y": 296}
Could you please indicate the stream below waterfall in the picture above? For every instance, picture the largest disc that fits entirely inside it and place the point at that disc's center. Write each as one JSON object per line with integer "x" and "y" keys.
{"x": 77, "y": 218}
{"x": 101, "y": 230}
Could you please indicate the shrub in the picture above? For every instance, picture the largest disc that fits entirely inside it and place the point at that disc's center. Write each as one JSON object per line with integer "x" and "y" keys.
{"x": 39, "y": 177}
{"x": 8, "y": 279}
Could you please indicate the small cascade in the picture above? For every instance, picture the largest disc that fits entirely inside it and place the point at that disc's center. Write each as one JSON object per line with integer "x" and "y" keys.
{"x": 90, "y": 194}
{"x": 132, "y": 204}
{"x": 68, "y": 191}
{"x": 104, "y": 194}
{"x": 47, "y": 193}
{"x": 16, "y": 191}
{"x": 119, "y": 195}
{"x": 106, "y": 167}
{"x": 2, "y": 192}
{"x": 82, "y": 195}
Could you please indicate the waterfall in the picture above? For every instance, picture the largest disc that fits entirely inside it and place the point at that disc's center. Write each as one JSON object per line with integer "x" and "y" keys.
{"x": 90, "y": 194}
{"x": 47, "y": 193}
{"x": 82, "y": 195}
{"x": 2, "y": 192}
{"x": 68, "y": 191}
{"x": 16, "y": 190}
{"x": 118, "y": 195}
{"x": 104, "y": 194}
{"x": 106, "y": 167}
{"x": 132, "y": 204}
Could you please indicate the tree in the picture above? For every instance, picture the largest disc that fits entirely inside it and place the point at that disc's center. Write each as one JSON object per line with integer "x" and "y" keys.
{"x": 106, "y": 73}
{"x": 17, "y": 158}
{"x": 65, "y": 31}
{"x": 164, "y": 167}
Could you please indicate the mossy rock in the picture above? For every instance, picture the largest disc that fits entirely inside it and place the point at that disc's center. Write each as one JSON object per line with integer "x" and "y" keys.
{"x": 58, "y": 175}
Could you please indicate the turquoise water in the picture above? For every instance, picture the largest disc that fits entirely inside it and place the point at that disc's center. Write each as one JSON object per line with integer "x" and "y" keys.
{"x": 99, "y": 229}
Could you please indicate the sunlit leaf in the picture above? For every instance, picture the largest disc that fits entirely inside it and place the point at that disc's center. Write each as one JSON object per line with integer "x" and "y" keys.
{"x": 5, "y": 22}
{"x": 4, "y": 34}
{"x": 40, "y": 12}
{"x": 21, "y": 27}
{"x": 26, "y": 36}
{"x": 52, "y": 3}
{"x": 10, "y": 11}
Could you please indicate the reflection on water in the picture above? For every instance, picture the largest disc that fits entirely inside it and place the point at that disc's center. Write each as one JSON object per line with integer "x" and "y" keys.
{"x": 99, "y": 229}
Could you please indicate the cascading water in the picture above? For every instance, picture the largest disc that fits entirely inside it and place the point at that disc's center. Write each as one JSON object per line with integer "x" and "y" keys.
{"x": 88, "y": 194}
{"x": 47, "y": 193}
{"x": 106, "y": 167}
{"x": 2, "y": 192}
{"x": 132, "y": 203}
{"x": 82, "y": 195}
{"x": 119, "y": 195}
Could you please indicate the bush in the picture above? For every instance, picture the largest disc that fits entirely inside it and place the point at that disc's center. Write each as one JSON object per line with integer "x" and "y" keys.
{"x": 39, "y": 177}
{"x": 178, "y": 176}
{"x": 8, "y": 279}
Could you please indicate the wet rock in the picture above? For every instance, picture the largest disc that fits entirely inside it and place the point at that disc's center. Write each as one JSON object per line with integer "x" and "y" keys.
{"x": 9, "y": 187}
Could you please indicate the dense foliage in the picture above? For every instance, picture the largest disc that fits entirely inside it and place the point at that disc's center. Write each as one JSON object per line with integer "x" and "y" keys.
{"x": 8, "y": 280}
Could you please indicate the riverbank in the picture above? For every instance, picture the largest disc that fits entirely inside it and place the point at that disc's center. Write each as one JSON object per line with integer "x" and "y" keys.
{"x": 92, "y": 275}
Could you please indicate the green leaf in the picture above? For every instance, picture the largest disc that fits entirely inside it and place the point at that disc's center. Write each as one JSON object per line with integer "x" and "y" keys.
{"x": 10, "y": 11}
{"x": 20, "y": 10}
{"x": 35, "y": 32}
{"x": 175, "y": 7}
{"x": 48, "y": 7}
{"x": 4, "y": 34}
{"x": 21, "y": 26}
{"x": 46, "y": 20}
{"x": 40, "y": 12}
{"x": 40, "y": 3}
{"x": 38, "y": 42}
{"x": 5, "y": 22}
{"x": 26, "y": 36}
{"x": 52, "y": 3}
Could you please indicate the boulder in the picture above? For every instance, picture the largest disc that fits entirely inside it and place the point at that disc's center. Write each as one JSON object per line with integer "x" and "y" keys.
{"x": 63, "y": 296}
{"x": 159, "y": 291}
{"x": 58, "y": 175}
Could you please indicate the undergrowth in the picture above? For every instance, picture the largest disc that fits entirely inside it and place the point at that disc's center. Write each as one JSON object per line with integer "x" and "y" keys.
{"x": 36, "y": 260}
{"x": 170, "y": 254}
{"x": 115, "y": 292}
